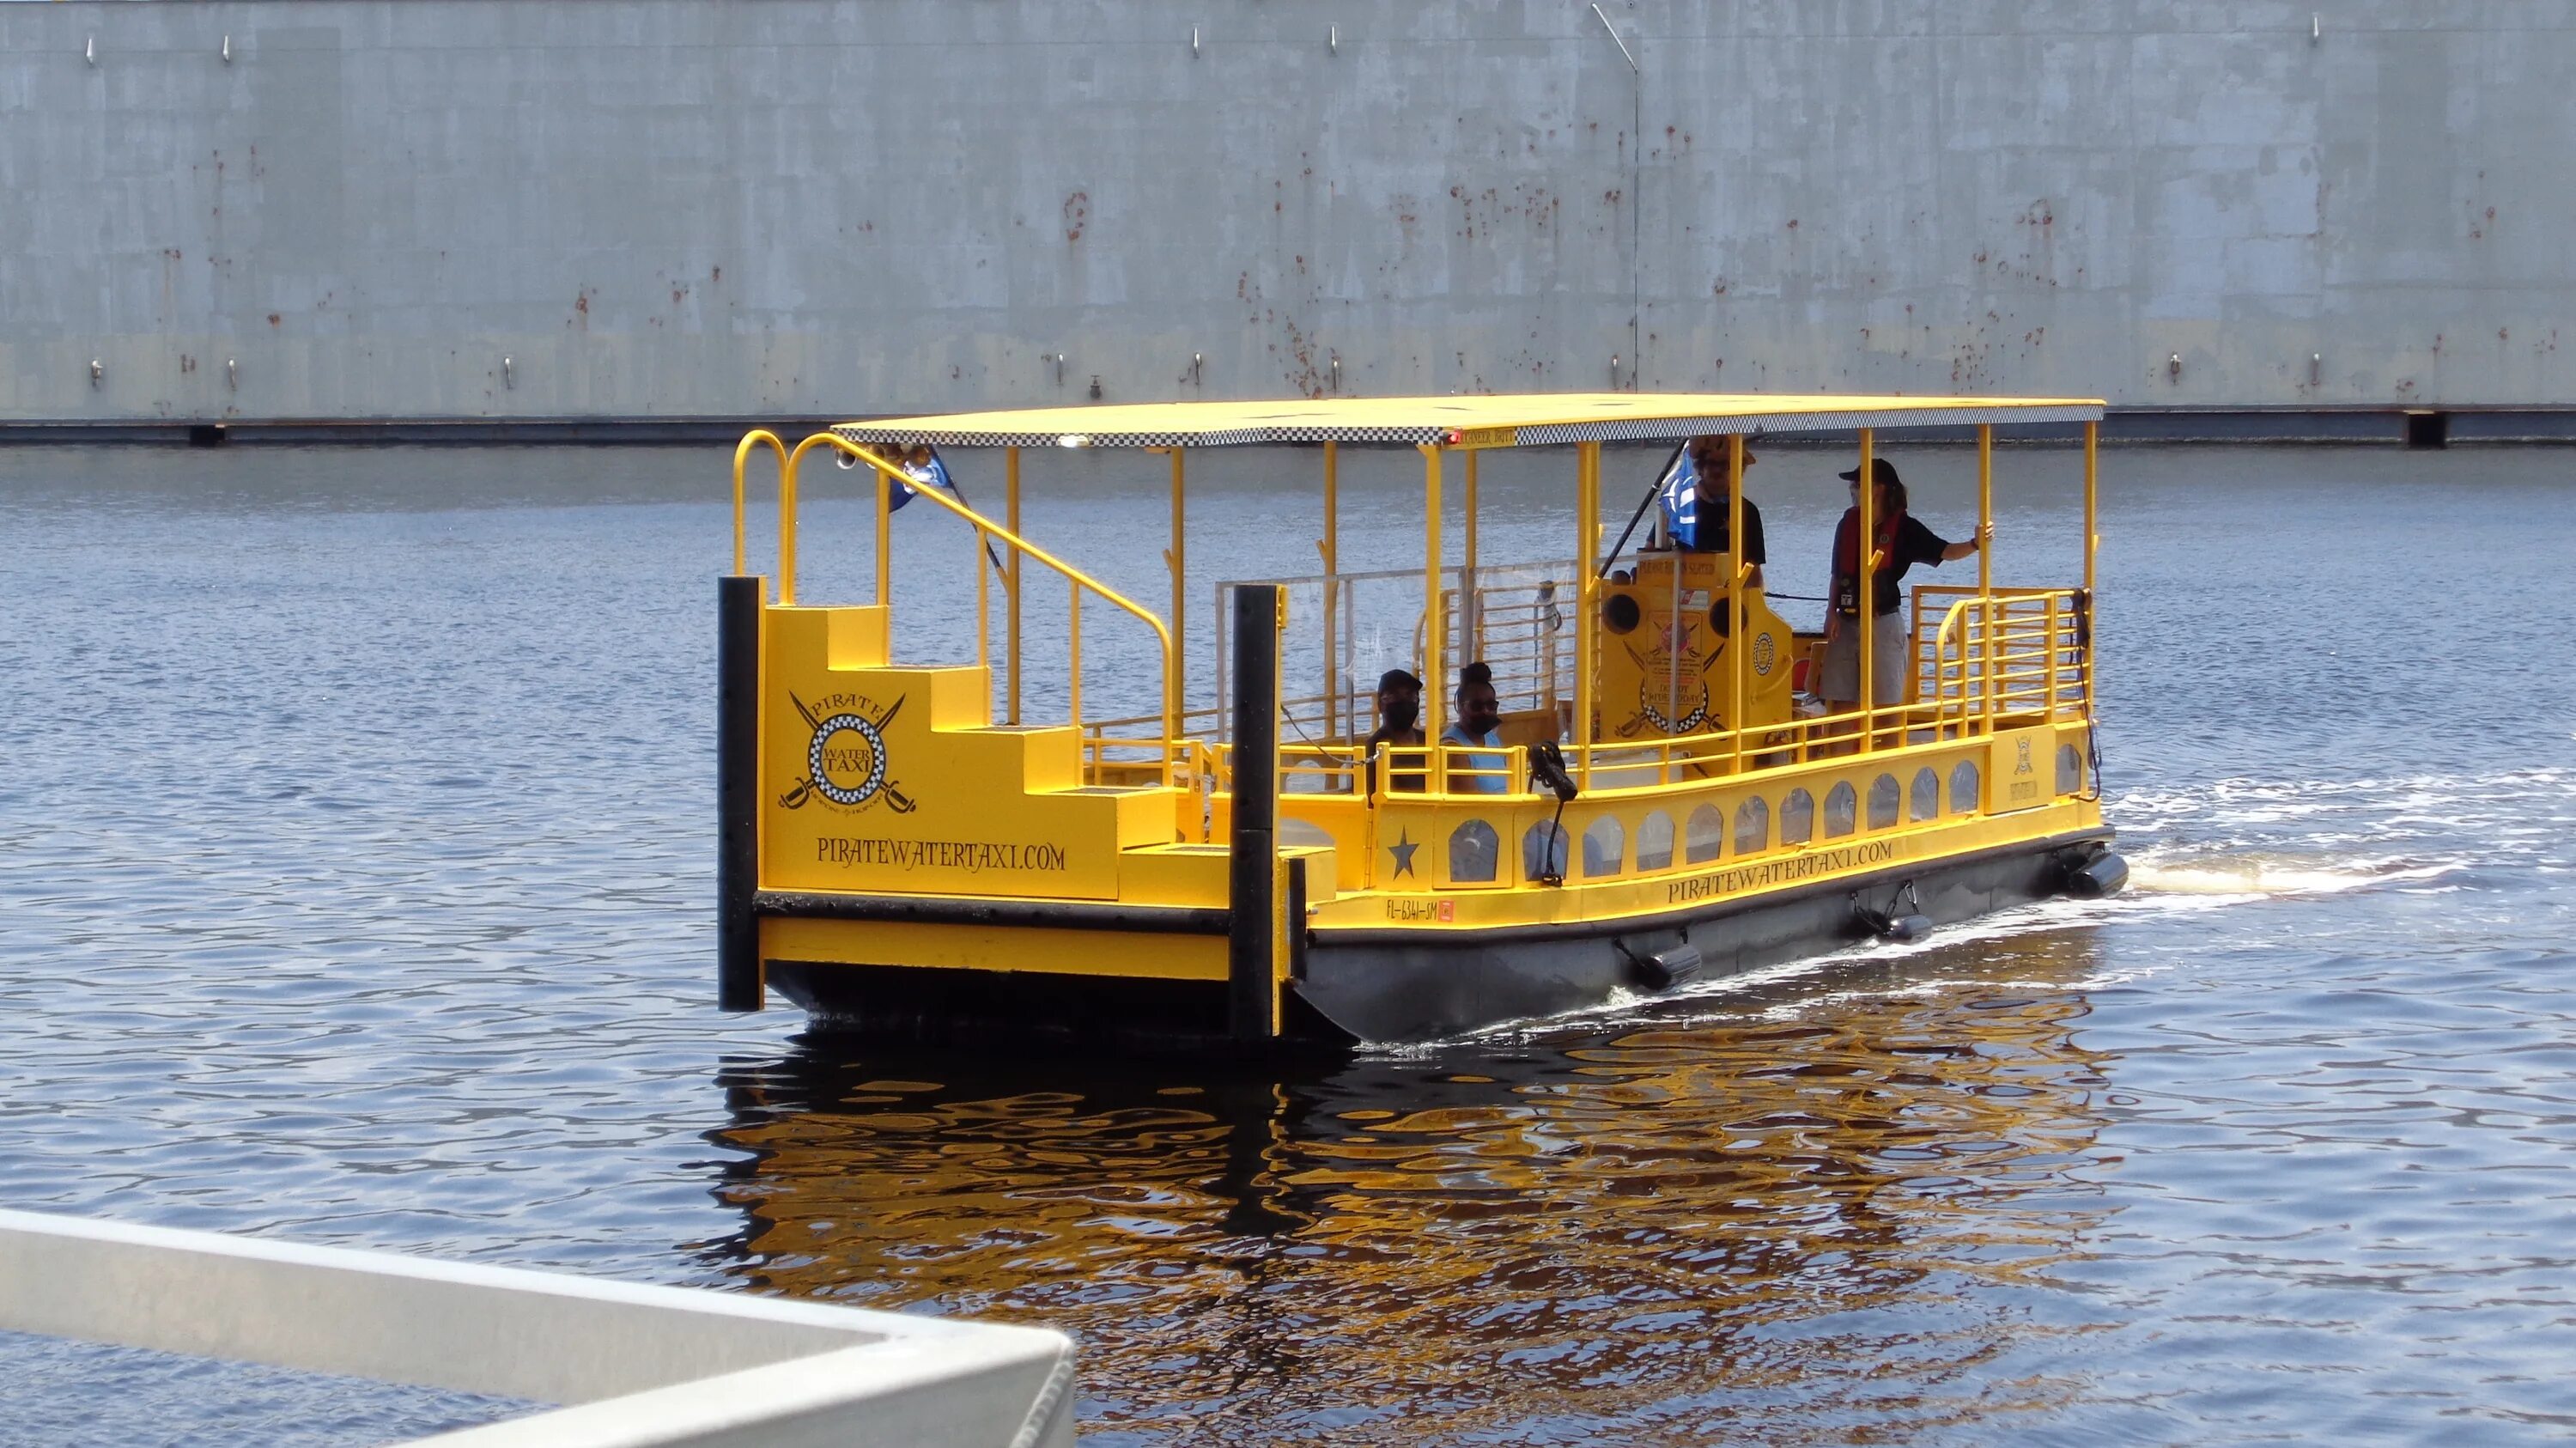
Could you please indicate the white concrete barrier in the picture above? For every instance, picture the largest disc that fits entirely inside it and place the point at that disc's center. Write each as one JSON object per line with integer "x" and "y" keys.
{"x": 635, "y": 1364}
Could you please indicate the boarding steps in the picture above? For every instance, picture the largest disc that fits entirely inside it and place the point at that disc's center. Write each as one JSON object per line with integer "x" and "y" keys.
{"x": 967, "y": 781}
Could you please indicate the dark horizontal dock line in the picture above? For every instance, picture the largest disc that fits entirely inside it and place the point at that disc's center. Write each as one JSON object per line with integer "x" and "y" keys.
{"x": 408, "y": 431}
{"x": 2312, "y": 426}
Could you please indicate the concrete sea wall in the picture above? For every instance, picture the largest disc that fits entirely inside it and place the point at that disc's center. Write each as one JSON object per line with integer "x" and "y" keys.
{"x": 637, "y": 209}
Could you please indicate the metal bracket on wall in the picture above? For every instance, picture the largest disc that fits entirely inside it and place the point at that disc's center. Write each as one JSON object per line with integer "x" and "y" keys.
{"x": 2173, "y": 367}
{"x": 1333, "y": 39}
{"x": 89, "y": 50}
{"x": 1194, "y": 42}
{"x": 1059, "y": 369}
{"x": 232, "y": 375}
{"x": 1196, "y": 361}
{"x": 97, "y": 372}
{"x": 507, "y": 380}
{"x": 228, "y": 50}
{"x": 1337, "y": 374}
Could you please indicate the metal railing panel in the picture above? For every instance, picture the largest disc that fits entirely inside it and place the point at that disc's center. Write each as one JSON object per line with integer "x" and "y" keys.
{"x": 641, "y": 1364}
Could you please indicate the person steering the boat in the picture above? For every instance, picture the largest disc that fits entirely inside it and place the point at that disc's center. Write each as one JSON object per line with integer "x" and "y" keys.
{"x": 1399, "y": 710}
{"x": 1902, "y": 542}
{"x": 1479, "y": 722}
{"x": 1695, "y": 505}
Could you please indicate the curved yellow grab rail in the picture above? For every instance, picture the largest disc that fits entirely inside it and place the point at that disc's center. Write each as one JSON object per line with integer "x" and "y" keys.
{"x": 1973, "y": 705}
{"x": 986, "y": 529}
{"x": 741, "y": 457}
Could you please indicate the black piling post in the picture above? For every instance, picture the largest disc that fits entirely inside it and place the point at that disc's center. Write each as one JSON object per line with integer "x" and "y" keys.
{"x": 738, "y": 973}
{"x": 1253, "y": 882}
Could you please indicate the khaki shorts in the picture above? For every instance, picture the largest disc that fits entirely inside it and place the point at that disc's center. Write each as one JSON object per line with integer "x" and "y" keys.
{"x": 1838, "y": 680}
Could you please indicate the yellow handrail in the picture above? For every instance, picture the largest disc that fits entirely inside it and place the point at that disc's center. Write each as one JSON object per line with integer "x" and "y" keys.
{"x": 741, "y": 456}
{"x": 2014, "y": 649}
{"x": 888, "y": 478}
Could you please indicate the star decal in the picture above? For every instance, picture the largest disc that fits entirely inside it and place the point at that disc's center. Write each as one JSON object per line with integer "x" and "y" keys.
{"x": 1403, "y": 849}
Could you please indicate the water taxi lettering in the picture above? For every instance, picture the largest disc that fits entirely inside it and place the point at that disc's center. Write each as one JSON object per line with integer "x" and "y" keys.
{"x": 1422, "y": 911}
{"x": 846, "y": 763}
{"x": 1786, "y": 870}
{"x": 972, "y": 856}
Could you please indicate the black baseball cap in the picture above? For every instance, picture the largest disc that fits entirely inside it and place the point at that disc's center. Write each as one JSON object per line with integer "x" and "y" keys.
{"x": 1880, "y": 470}
{"x": 1398, "y": 679}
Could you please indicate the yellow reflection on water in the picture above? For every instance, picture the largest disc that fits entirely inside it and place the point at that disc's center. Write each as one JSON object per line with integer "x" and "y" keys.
{"x": 1816, "y": 1205}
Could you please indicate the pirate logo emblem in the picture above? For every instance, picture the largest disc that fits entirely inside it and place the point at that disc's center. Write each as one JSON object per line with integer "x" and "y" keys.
{"x": 2021, "y": 757}
{"x": 845, "y": 763}
{"x": 1672, "y": 688}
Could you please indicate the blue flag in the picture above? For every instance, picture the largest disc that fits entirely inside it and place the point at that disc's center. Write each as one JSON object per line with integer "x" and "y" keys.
{"x": 900, "y": 494}
{"x": 1678, "y": 496}
{"x": 930, "y": 473}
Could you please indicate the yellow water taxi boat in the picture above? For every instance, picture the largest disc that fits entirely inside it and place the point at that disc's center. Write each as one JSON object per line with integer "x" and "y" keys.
{"x": 906, "y": 848}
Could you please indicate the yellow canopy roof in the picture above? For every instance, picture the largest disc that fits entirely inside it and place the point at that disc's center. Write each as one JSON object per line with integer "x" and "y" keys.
{"x": 1533, "y": 419}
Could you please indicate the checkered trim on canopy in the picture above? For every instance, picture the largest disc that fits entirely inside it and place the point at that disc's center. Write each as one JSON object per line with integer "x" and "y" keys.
{"x": 1529, "y": 420}
{"x": 927, "y": 430}
{"x": 1675, "y": 429}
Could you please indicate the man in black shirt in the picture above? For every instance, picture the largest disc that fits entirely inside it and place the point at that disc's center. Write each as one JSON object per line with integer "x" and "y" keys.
{"x": 1704, "y": 531}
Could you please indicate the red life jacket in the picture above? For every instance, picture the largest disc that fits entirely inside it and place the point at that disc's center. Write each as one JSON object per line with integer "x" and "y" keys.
{"x": 1846, "y": 589}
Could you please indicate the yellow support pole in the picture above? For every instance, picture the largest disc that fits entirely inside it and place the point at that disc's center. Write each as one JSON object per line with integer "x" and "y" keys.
{"x": 1435, "y": 688}
{"x": 1985, "y": 505}
{"x": 1011, "y": 504}
{"x": 1587, "y": 537}
{"x": 1473, "y": 624}
{"x": 1330, "y": 547}
{"x": 2092, "y": 545}
{"x": 2092, "y": 488}
{"x": 1735, "y": 595}
{"x": 1865, "y": 554}
{"x": 1986, "y": 567}
{"x": 885, "y": 548}
{"x": 1177, "y": 558}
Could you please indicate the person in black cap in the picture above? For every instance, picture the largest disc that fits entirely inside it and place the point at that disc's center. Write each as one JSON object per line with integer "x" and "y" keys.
{"x": 1707, "y": 530}
{"x": 1399, "y": 712}
{"x": 1901, "y": 543}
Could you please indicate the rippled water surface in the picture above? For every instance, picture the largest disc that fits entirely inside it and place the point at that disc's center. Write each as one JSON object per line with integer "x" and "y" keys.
{"x": 355, "y": 864}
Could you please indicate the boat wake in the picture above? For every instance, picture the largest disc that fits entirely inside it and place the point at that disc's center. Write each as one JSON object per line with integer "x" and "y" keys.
{"x": 2217, "y": 846}
{"x": 2267, "y": 876}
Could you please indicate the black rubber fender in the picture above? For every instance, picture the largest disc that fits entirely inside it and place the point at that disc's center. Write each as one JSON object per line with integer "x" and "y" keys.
{"x": 2102, "y": 875}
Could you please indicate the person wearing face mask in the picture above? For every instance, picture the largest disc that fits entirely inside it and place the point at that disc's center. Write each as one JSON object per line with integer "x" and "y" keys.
{"x": 1479, "y": 722}
{"x": 1399, "y": 708}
